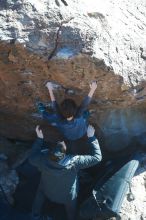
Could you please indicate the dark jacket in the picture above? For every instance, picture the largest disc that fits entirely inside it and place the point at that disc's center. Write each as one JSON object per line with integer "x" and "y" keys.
{"x": 59, "y": 181}
{"x": 74, "y": 129}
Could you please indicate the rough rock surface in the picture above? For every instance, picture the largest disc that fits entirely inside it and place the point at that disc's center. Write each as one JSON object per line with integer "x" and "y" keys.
{"x": 113, "y": 33}
{"x": 72, "y": 43}
{"x": 136, "y": 209}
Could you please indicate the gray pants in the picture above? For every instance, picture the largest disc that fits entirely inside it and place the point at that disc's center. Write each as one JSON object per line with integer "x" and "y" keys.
{"x": 40, "y": 198}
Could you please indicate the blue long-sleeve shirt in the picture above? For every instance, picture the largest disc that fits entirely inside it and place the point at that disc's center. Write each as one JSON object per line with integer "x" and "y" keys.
{"x": 74, "y": 129}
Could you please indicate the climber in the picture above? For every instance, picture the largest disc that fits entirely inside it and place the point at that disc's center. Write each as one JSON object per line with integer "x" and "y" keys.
{"x": 59, "y": 182}
{"x": 70, "y": 119}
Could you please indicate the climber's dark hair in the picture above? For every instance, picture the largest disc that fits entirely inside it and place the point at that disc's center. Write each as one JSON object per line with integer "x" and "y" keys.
{"x": 68, "y": 108}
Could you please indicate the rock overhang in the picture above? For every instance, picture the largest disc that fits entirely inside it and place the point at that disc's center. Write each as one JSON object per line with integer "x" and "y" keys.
{"x": 72, "y": 44}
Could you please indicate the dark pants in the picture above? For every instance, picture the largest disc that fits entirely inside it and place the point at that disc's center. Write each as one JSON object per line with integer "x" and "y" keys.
{"x": 70, "y": 208}
{"x": 40, "y": 199}
{"x": 37, "y": 205}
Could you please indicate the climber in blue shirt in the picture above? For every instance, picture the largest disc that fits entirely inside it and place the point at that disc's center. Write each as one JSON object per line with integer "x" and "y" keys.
{"x": 70, "y": 119}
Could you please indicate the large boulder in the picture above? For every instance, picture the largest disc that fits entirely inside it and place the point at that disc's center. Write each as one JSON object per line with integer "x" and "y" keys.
{"x": 72, "y": 43}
